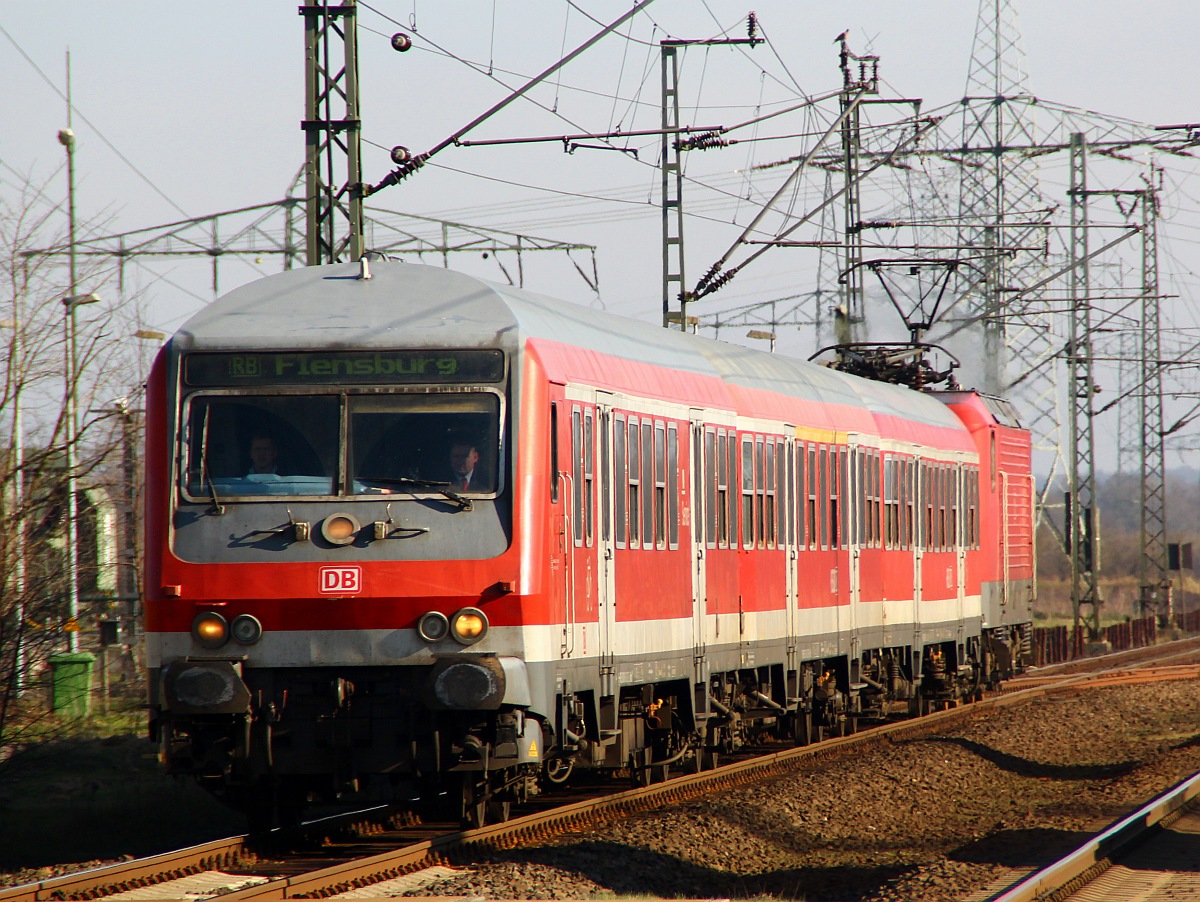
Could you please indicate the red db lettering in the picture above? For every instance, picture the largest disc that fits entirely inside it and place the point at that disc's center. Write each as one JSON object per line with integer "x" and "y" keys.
{"x": 341, "y": 580}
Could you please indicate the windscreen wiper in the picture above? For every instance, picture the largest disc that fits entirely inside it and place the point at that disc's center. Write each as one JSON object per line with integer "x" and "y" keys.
{"x": 205, "y": 476}
{"x": 440, "y": 486}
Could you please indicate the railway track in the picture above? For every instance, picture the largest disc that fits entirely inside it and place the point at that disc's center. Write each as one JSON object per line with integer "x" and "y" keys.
{"x": 1151, "y": 854}
{"x": 337, "y": 856}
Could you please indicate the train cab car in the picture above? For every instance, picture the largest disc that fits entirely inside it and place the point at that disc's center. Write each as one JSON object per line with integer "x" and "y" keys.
{"x": 417, "y": 537}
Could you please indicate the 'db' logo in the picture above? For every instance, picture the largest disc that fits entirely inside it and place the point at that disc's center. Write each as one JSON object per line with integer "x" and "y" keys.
{"x": 341, "y": 580}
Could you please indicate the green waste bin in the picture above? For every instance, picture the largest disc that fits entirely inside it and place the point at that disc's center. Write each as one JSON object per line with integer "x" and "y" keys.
{"x": 72, "y": 675}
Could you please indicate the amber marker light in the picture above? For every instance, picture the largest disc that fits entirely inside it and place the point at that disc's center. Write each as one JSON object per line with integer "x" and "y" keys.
{"x": 210, "y": 629}
{"x": 339, "y": 529}
{"x": 469, "y": 625}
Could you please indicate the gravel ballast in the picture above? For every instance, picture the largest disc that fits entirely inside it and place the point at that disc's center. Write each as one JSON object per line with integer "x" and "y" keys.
{"x": 933, "y": 818}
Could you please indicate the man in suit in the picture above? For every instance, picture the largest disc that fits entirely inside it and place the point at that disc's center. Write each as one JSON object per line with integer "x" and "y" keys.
{"x": 464, "y": 457}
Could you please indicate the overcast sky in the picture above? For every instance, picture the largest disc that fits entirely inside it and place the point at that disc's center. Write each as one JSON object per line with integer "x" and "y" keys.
{"x": 186, "y": 109}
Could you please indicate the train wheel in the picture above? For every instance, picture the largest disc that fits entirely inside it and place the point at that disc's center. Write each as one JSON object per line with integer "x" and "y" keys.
{"x": 498, "y": 811}
{"x": 290, "y": 802}
{"x": 268, "y": 805}
{"x": 474, "y": 802}
{"x": 802, "y": 727}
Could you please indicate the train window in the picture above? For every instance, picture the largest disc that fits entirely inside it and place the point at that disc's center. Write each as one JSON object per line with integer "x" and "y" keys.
{"x": 787, "y": 510}
{"x": 620, "y": 479}
{"x": 747, "y": 493}
{"x": 711, "y": 510}
{"x": 400, "y": 437}
{"x": 858, "y": 471}
{"x": 699, "y": 484}
{"x": 877, "y": 498}
{"x": 973, "y": 536}
{"x": 553, "y": 452}
{"x": 635, "y": 483}
{"x": 931, "y": 538}
{"x": 823, "y": 495}
{"x": 770, "y": 508}
{"x": 648, "y": 485}
{"x": 782, "y": 471}
{"x": 577, "y": 475}
{"x": 262, "y": 445}
{"x": 951, "y": 483}
{"x": 672, "y": 487}
{"x": 762, "y": 524}
{"x": 926, "y": 537}
{"x": 660, "y": 486}
{"x": 723, "y": 494}
{"x": 589, "y": 477}
{"x": 910, "y": 493}
{"x": 942, "y": 484}
{"x": 801, "y": 494}
{"x": 838, "y": 485}
{"x": 814, "y": 535}
{"x": 731, "y": 494}
{"x": 955, "y": 521}
{"x": 605, "y": 478}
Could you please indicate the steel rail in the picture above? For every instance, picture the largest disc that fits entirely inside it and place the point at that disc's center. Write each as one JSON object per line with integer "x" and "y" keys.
{"x": 355, "y": 873}
{"x": 127, "y": 875}
{"x": 1085, "y": 864}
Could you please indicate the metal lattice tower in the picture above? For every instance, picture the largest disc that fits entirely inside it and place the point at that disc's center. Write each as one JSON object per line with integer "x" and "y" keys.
{"x": 999, "y": 203}
{"x": 332, "y": 131}
{"x": 1082, "y": 512}
{"x": 851, "y": 312}
{"x": 1155, "y": 584}
{"x": 1130, "y": 373}
{"x": 674, "y": 293}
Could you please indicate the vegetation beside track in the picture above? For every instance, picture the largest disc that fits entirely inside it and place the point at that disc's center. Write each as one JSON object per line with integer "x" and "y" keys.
{"x": 94, "y": 791}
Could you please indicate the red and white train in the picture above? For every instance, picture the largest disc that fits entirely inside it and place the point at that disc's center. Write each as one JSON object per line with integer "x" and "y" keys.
{"x": 666, "y": 546}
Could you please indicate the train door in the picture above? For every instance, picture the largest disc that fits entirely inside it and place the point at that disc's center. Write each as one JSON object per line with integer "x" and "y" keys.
{"x": 580, "y": 601}
{"x": 606, "y": 590}
{"x": 699, "y": 562}
{"x": 791, "y": 540}
{"x": 957, "y": 531}
{"x": 842, "y": 510}
{"x": 920, "y": 535}
{"x": 856, "y": 505}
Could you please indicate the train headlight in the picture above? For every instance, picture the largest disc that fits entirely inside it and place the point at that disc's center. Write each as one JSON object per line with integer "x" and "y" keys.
{"x": 433, "y": 625}
{"x": 246, "y": 630}
{"x": 469, "y": 625}
{"x": 210, "y": 629}
{"x": 340, "y": 529}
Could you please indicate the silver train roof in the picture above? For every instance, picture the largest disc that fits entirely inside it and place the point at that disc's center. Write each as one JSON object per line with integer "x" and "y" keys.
{"x": 406, "y": 305}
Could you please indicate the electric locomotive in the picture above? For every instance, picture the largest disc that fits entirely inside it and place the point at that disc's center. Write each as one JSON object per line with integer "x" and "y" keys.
{"x": 415, "y": 537}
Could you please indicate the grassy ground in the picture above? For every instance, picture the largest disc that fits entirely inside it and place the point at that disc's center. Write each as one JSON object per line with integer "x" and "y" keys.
{"x": 95, "y": 791}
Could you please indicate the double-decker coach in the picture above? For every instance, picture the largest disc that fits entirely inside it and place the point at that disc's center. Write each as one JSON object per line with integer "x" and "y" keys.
{"x": 412, "y": 535}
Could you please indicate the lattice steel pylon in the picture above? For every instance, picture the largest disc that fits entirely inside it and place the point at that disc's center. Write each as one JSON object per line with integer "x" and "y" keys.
{"x": 1082, "y": 514}
{"x": 332, "y": 132}
{"x": 675, "y": 294}
{"x": 1000, "y": 205}
{"x": 1155, "y": 586}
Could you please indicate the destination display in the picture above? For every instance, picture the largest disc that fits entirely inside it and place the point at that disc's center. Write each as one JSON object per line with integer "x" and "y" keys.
{"x": 344, "y": 367}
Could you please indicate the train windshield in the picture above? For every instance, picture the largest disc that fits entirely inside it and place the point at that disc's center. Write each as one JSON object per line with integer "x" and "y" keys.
{"x": 342, "y": 444}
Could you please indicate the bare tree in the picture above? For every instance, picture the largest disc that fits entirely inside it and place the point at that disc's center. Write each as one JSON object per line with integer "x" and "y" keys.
{"x": 35, "y": 382}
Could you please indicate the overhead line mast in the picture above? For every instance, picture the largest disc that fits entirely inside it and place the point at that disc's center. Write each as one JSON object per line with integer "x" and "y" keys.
{"x": 674, "y": 279}
{"x": 334, "y": 199}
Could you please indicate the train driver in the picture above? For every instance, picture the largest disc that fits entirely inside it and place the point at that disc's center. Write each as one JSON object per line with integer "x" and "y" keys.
{"x": 264, "y": 455}
{"x": 465, "y": 475}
